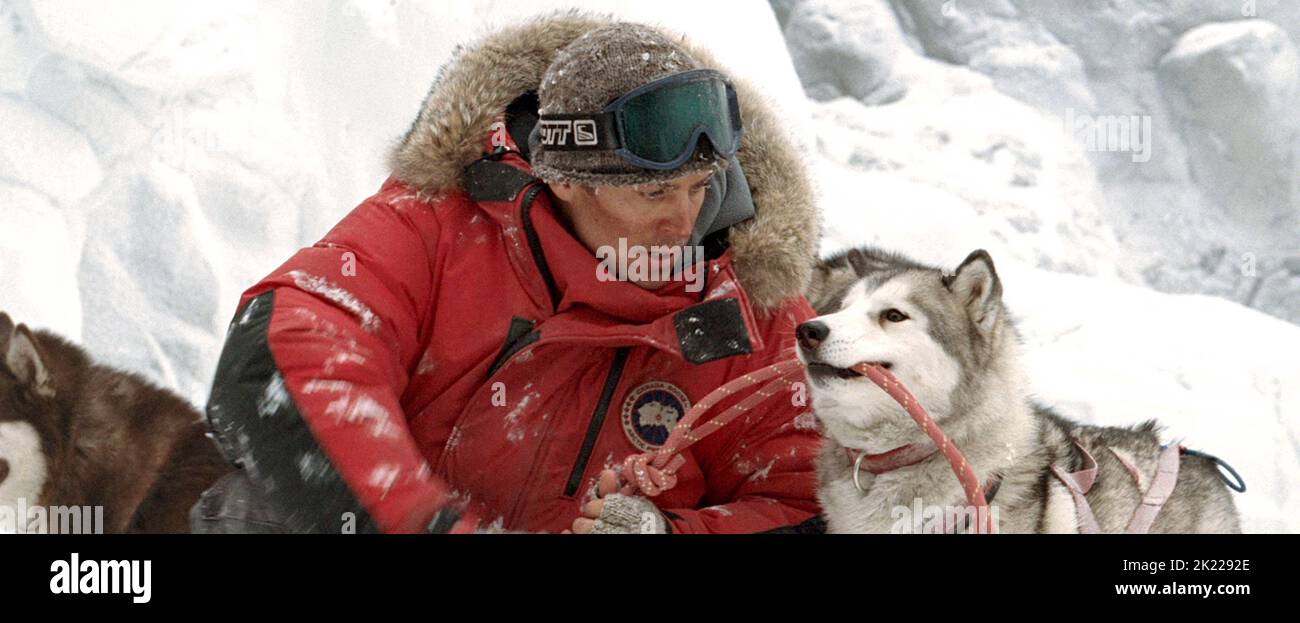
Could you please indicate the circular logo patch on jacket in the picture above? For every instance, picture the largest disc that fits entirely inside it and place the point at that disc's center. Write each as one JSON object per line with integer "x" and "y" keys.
{"x": 650, "y": 412}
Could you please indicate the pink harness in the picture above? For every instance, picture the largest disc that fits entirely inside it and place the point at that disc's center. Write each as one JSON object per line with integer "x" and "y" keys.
{"x": 1162, "y": 486}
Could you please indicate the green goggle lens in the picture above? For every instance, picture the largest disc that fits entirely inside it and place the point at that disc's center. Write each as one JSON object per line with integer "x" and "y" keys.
{"x": 662, "y": 125}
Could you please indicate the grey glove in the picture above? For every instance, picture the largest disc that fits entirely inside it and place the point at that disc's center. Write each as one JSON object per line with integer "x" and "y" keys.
{"x": 629, "y": 514}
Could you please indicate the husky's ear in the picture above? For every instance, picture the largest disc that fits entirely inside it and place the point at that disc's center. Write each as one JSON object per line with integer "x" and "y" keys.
{"x": 6, "y": 329}
{"x": 978, "y": 288}
{"x": 859, "y": 261}
{"x": 869, "y": 260}
{"x": 24, "y": 359}
{"x": 829, "y": 280}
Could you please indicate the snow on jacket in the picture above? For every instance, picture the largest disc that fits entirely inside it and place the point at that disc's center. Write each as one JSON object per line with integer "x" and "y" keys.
{"x": 446, "y": 357}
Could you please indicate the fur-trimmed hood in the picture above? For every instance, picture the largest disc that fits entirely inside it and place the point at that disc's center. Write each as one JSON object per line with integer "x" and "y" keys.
{"x": 773, "y": 252}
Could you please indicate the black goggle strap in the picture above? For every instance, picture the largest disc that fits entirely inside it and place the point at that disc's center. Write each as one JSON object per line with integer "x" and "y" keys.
{"x": 579, "y": 132}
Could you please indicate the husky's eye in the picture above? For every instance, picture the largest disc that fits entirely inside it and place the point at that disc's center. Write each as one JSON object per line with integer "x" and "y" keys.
{"x": 893, "y": 315}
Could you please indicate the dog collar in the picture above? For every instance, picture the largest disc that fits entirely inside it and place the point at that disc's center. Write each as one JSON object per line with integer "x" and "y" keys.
{"x": 877, "y": 464}
{"x": 910, "y": 454}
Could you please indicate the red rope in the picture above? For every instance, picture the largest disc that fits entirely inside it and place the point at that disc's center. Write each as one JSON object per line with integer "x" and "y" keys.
{"x": 652, "y": 473}
{"x": 965, "y": 472}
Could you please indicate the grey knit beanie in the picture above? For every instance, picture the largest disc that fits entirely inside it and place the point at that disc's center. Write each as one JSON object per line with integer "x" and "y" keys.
{"x": 588, "y": 74}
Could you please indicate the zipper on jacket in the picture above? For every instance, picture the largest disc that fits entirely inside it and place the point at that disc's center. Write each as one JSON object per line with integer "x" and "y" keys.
{"x": 535, "y": 245}
{"x": 597, "y": 421}
{"x": 519, "y": 335}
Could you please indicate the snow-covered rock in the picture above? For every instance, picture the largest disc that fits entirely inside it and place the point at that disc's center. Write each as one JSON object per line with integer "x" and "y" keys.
{"x": 1122, "y": 36}
{"x": 1022, "y": 58}
{"x": 1095, "y": 69}
{"x": 1234, "y": 88}
{"x": 845, "y": 52}
{"x": 913, "y": 126}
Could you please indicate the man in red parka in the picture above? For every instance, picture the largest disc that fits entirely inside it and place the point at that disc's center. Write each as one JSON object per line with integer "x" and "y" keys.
{"x": 479, "y": 344}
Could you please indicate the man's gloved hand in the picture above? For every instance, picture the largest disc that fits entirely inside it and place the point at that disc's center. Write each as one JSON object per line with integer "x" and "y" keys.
{"x": 629, "y": 514}
{"x": 615, "y": 513}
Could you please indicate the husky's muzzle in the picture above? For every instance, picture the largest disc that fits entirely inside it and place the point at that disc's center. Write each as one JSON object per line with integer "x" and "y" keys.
{"x": 810, "y": 336}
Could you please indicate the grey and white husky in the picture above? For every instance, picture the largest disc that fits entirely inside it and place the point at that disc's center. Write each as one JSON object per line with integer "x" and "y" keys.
{"x": 948, "y": 338}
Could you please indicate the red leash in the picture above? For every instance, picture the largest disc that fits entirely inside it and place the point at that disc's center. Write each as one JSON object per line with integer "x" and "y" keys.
{"x": 965, "y": 473}
{"x": 652, "y": 473}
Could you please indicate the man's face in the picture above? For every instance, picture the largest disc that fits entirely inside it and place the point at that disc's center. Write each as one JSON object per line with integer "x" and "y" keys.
{"x": 660, "y": 214}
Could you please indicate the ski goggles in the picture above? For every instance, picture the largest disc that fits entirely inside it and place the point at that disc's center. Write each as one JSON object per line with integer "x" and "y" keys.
{"x": 655, "y": 126}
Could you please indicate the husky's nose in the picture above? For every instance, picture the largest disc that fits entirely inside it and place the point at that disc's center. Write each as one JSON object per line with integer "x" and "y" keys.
{"x": 811, "y": 334}
{"x": 4, "y": 470}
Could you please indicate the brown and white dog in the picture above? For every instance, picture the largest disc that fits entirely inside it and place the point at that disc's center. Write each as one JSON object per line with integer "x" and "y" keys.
{"x": 77, "y": 434}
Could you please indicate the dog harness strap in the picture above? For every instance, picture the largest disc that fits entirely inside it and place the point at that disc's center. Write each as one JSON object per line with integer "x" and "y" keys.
{"x": 1128, "y": 464}
{"x": 1161, "y": 488}
{"x": 1079, "y": 483}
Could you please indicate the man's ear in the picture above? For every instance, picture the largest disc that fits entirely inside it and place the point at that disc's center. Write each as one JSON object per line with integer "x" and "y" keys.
{"x": 564, "y": 191}
{"x": 978, "y": 289}
{"x": 23, "y": 358}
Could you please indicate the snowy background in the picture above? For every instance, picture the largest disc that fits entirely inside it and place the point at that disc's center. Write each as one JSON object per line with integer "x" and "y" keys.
{"x": 1132, "y": 165}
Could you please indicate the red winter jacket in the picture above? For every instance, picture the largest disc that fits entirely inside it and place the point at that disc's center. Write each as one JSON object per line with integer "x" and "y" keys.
{"x": 446, "y": 357}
